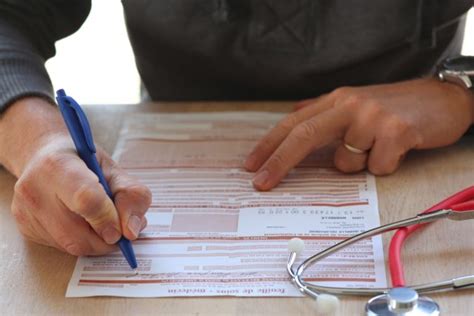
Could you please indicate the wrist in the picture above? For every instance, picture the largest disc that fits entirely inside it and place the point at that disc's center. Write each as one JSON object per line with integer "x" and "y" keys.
{"x": 459, "y": 70}
{"x": 468, "y": 96}
{"x": 27, "y": 126}
{"x": 472, "y": 105}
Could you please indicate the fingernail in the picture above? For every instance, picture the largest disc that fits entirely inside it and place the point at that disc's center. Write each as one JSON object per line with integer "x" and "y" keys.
{"x": 134, "y": 224}
{"x": 111, "y": 235}
{"x": 250, "y": 162}
{"x": 261, "y": 178}
{"x": 144, "y": 223}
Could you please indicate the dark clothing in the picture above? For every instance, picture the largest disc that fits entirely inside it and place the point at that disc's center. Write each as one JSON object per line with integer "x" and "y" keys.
{"x": 242, "y": 49}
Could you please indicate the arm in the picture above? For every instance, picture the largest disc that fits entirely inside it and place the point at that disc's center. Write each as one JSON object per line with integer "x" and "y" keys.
{"x": 57, "y": 200}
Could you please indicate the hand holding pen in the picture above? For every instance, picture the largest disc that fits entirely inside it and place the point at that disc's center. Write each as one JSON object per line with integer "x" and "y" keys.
{"x": 78, "y": 125}
{"x": 58, "y": 200}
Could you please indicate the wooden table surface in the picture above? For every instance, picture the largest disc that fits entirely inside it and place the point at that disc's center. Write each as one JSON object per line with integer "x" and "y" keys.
{"x": 33, "y": 278}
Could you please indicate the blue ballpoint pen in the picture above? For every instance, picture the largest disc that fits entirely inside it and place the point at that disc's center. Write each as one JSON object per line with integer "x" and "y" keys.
{"x": 80, "y": 131}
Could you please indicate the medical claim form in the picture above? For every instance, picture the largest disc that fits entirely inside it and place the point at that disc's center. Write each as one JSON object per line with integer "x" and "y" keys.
{"x": 211, "y": 234}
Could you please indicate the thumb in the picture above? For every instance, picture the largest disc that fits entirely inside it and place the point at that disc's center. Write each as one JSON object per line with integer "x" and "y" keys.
{"x": 82, "y": 194}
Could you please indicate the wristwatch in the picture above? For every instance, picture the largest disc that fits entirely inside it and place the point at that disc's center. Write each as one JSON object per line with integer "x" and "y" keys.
{"x": 458, "y": 70}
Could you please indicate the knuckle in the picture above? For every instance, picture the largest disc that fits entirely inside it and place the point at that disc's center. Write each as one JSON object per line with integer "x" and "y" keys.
{"x": 140, "y": 193}
{"x": 25, "y": 192}
{"x": 288, "y": 123}
{"x": 51, "y": 162}
{"x": 343, "y": 164}
{"x": 21, "y": 187}
{"x": 277, "y": 161}
{"x": 372, "y": 111}
{"x": 19, "y": 215}
{"x": 395, "y": 127}
{"x": 306, "y": 132}
{"x": 342, "y": 92}
{"x": 380, "y": 169}
{"x": 87, "y": 200}
{"x": 72, "y": 173}
{"x": 75, "y": 247}
{"x": 352, "y": 102}
{"x": 104, "y": 158}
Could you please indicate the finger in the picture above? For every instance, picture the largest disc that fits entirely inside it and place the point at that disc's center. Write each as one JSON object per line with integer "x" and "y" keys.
{"x": 73, "y": 234}
{"x": 27, "y": 230}
{"x": 347, "y": 161}
{"x": 303, "y": 103}
{"x": 29, "y": 226}
{"x": 360, "y": 135}
{"x": 132, "y": 199}
{"x": 270, "y": 142}
{"x": 306, "y": 137}
{"x": 144, "y": 223}
{"x": 81, "y": 193}
{"x": 30, "y": 235}
{"x": 391, "y": 146}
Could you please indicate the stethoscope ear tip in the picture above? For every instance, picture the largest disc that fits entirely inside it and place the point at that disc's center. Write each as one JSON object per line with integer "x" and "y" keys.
{"x": 327, "y": 304}
{"x": 296, "y": 245}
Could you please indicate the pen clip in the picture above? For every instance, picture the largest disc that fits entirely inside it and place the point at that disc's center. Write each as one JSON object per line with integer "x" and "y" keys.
{"x": 65, "y": 102}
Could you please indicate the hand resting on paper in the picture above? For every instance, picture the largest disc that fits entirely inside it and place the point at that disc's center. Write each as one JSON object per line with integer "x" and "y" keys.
{"x": 383, "y": 122}
{"x": 57, "y": 200}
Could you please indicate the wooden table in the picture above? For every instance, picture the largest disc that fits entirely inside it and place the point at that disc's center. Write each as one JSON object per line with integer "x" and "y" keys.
{"x": 33, "y": 278}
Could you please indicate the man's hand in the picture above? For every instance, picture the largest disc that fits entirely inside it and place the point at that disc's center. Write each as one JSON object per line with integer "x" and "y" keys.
{"x": 384, "y": 121}
{"x": 57, "y": 200}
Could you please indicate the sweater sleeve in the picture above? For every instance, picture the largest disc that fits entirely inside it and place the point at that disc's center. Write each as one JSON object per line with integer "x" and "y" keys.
{"x": 28, "y": 32}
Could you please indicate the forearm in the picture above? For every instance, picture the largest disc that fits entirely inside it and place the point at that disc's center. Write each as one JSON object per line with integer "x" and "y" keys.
{"x": 27, "y": 126}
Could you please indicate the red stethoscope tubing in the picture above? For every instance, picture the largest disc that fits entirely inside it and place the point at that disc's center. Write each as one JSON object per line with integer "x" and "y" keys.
{"x": 461, "y": 201}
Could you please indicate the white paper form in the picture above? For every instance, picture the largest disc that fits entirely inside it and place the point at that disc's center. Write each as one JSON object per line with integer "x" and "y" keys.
{"x": 211, "y": 234}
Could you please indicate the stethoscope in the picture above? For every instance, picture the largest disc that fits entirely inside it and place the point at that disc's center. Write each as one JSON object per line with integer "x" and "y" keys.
{"x": 400, "y": 299}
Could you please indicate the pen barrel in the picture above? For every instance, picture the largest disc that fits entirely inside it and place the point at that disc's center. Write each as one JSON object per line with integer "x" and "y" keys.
{"x": 78, "y": 126}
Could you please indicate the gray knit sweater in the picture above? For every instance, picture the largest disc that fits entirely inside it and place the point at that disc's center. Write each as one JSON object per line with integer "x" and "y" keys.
{"x": 242, "y": 49}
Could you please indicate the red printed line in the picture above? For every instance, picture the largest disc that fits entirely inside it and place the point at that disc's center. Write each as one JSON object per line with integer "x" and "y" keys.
{"x": 232, "y": 254}
{"x": 298, "y": 176}
{"x": 159, "y": 281}
{"x": 170, "y": 281}
{"x": 342, "y": 269}
{"x": 245, "y": 238}
{"x": 273, "y": 246}
{"x": 233, "y": 200}
{"x": 244, "y": 189}
{"x": 263, "y": 205}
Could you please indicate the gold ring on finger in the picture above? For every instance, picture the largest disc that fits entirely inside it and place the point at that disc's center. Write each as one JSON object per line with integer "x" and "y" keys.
{"x": 355, "y": 150}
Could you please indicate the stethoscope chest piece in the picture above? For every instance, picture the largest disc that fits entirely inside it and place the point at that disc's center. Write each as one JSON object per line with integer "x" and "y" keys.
{"x": 401, "y": 301}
